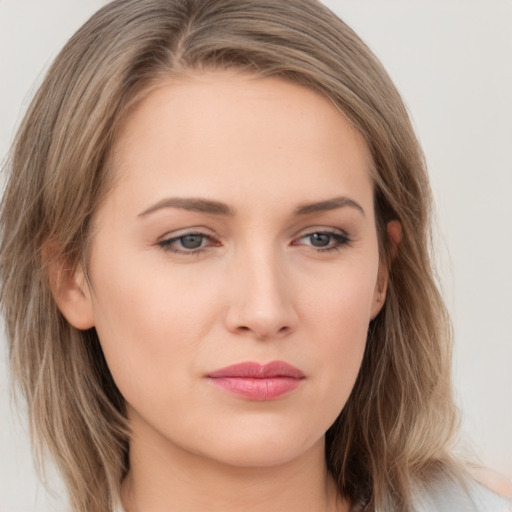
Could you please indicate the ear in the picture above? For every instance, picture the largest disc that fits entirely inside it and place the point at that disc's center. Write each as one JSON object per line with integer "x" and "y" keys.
{"x": 379, "y": 294}
{"x": 394, "y": 232}
{"x": 70, "y": 290}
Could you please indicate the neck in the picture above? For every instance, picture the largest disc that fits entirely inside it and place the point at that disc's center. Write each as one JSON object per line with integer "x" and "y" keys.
{"x": 164, "y": 477}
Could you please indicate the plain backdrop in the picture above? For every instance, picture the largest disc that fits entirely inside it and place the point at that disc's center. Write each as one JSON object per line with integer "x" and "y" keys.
{"x": 452, "y": 62}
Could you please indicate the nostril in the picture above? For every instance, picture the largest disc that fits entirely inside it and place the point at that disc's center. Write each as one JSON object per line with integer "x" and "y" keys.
{"x": 285, "y": 329}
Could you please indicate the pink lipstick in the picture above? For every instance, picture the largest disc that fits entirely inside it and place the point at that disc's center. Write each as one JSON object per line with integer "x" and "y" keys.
{"x": 255, "y": 381}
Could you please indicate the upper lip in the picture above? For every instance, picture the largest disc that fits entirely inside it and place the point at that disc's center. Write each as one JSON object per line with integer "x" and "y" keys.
{"x": 254, "y": 370}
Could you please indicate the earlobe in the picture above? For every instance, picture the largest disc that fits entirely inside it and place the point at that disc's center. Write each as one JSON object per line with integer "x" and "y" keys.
{"x": 71, "y": 292}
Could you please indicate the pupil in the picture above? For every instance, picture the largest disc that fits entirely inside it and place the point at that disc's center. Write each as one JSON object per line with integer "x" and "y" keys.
{"x": 320, "y": 239}
{"x": 191, "y": 241}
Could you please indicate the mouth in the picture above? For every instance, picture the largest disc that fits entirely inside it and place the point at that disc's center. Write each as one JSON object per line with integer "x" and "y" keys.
{"x": 254, "y": 381}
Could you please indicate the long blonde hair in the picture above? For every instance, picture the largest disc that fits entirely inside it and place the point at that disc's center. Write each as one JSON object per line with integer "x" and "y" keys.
{"x": 395, "y": 431}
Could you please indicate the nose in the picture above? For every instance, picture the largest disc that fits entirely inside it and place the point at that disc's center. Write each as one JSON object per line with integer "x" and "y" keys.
{"x": 261, "y": 302}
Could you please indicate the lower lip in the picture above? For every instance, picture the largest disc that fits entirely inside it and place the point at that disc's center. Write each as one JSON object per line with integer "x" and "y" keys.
{"x": 261, "y": 389}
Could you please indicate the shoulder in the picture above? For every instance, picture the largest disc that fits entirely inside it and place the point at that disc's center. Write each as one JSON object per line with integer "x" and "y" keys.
{"x": 494, "y": 481}
{"x": 471, "y": 496}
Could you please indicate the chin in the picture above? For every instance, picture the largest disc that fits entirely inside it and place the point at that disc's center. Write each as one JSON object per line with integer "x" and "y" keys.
{"x": 260, "y": 449}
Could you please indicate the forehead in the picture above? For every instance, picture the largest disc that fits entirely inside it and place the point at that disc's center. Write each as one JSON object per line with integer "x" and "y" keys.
{"x": 236, "y": 135}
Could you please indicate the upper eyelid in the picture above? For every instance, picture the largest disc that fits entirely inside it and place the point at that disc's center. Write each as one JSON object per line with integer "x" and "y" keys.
{"x": 170, "y": 235}
{"x": 334, "y": 234}
{"x": 203, "y": 231}
{"x": 172, "y": 238}
{"x": 321, "y": 229}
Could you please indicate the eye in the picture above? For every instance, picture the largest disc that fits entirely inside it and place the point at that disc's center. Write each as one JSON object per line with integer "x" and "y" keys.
{"x": 193, "y": 241}
{"x": 187, "y": 243}
{"x": 320, "y": 239}
{"x": 323, "y": 240}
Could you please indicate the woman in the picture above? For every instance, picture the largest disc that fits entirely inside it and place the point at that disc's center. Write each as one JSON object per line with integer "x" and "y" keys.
{"x": 219, "y": 295}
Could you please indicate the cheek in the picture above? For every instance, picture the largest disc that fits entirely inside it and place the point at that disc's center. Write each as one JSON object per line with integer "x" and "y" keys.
{"x": 340, "y": 301}
{"x": 337, "y": 320}
{"x": 150, "y": 325}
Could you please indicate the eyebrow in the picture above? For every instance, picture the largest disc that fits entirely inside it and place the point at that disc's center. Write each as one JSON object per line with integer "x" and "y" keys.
{"x": 329, "y": 204}
{"x": 191, "y": 204}
{"x": 217, "y": 208}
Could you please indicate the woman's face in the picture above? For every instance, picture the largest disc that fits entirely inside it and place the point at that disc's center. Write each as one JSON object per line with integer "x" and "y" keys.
{"x": 240, "y": 229}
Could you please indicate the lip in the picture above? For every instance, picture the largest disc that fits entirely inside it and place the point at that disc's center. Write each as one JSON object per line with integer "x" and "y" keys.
{"x": 255, "y": 381}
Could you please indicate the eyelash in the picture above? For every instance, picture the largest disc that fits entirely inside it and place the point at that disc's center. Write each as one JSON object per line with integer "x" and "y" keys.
{"x": 339, "y": 240}
{"x": 167, "y": 244}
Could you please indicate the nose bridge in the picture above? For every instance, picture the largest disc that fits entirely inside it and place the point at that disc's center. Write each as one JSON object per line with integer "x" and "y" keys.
{"x": 261, "y": 301}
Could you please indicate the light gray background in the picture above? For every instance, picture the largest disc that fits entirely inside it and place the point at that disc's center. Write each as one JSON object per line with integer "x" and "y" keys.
{"x": 452, "y": 61}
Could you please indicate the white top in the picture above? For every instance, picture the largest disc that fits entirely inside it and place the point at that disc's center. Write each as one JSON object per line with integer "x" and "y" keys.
{"x": 447, "y": 497}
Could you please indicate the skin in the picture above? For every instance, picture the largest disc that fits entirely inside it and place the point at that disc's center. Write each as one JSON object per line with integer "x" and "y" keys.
{"x": 257, "y": 290}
